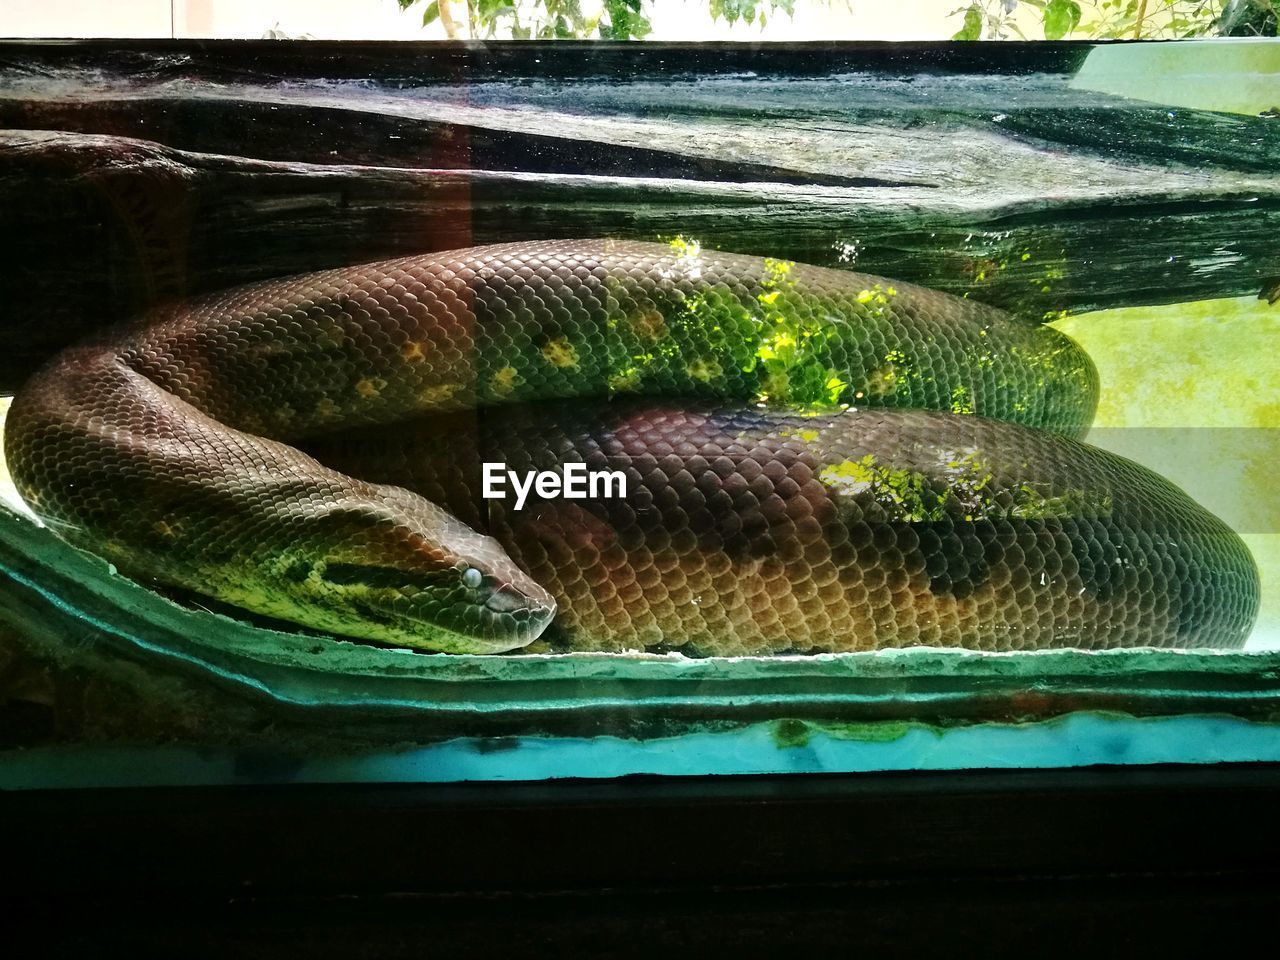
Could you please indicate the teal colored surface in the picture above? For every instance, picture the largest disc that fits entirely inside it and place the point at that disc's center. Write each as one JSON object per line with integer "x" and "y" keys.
{"x": 787, "y": 747}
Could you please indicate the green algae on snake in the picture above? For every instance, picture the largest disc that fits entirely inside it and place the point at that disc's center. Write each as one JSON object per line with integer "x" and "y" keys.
{"x": 163, "y": 446}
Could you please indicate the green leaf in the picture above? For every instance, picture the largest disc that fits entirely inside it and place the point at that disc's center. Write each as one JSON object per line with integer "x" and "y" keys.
{"x": 731, "y": 11}
{"x": 1060, "y": 18}
{"x": 490, "y": 10}
{"x": 625, "y": 21}
{"x": 432, "y": 13}
{"x": 972, "y": 29}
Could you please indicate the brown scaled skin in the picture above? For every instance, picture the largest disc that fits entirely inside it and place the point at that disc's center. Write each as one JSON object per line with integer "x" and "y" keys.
{"x": 748, "y": 531}
{"x": 168, "y": 447}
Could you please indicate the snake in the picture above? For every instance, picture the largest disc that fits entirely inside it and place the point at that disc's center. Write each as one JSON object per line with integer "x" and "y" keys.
{"x": 815, "y": 460}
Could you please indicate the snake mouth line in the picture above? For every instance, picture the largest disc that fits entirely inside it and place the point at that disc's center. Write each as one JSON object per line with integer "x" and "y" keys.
{"x": 500, "y": 616}
{"x": 507, "y": 620}
{"x": 506, "y": 599}
{"x": 476, "y": 628}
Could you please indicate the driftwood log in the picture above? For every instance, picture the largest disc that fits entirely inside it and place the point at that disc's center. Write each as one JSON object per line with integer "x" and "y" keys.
{"x": 135, "y": 174}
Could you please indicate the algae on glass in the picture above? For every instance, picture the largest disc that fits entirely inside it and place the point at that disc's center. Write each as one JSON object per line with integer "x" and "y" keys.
{"x": 1192, "y": 391}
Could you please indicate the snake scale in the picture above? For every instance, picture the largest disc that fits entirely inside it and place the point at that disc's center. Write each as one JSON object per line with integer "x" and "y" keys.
{"x": 817, "y": 460}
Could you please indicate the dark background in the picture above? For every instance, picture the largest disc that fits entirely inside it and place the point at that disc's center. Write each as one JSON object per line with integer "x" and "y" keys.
{"x": 1171, "y": 861}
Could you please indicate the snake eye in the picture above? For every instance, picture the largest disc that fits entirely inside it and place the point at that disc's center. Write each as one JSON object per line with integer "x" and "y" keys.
{"x": 472, "y": 578}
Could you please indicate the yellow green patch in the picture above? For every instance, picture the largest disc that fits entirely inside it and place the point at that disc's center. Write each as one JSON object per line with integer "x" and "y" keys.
{"x": 649, "y": 324}
{"x": 560, "y": 353}
{"x": 625, "y": 381}
{"x": 370, "y": 387}
{"x": 437, "y": 393}
{"x": 685, "y": 247}
{"x": 504, "y": 381}
{"x": 704, "y": 370}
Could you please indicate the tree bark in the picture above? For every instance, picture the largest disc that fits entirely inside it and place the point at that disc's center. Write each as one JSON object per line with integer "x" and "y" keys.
{"x": 123, "y": 185}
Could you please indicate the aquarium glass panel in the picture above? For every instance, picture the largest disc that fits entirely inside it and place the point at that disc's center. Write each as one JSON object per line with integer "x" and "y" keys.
{"x": 510, "y": 411}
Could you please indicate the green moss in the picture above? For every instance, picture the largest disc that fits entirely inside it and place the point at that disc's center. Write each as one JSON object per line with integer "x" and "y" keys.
{"x": 788, "y": 734}
{"x": 685, "y": 247}
{"x": 903, "y": 494}
{"x": 963, "y": 493}
{"x": 1030, "y": 504}
{"x": 885, "y": 732}
{"x": 961, "y": 400}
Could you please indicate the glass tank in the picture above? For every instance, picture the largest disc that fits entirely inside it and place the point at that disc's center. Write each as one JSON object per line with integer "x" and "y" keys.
{"x": 489, "y": 411}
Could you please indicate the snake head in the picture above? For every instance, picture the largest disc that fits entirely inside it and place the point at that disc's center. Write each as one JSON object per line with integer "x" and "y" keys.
{"x": 395, "y": 568}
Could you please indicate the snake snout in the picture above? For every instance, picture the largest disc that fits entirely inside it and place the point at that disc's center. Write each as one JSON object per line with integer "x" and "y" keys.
{"x": 393, "y": 567}
{"x": 509, "y": 601}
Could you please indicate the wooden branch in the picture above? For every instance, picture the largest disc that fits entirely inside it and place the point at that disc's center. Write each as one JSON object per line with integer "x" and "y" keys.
{"x": 121, "y": 187}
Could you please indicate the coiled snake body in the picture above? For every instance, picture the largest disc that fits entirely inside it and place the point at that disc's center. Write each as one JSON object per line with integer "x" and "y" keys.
{"x": 950, "y": 505}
